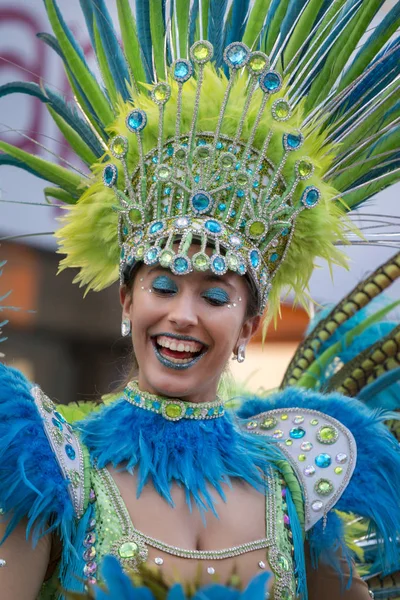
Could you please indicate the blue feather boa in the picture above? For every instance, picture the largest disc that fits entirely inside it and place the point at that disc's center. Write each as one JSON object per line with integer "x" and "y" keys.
{"x": 374, "y": 489}
{"x": 191, "y": 453}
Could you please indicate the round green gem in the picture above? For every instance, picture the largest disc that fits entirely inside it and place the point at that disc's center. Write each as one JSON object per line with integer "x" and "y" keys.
{"x": 58, "y": 436}
{"x": 118, "y": 148}
{"x": 201, "y": 262}
{"x": 338, "y": 470}
{"x": 233, "y": 262}
{"x": 281, "y": 110}
{"x": 327, "y": 434}
{"x": 166, "y": 258}
{"x": 227, "y": 162}
{"x": 180, "y": 154}
{"x": 289, "y": 442}
{"x": 324, "y": 487}
{"x": 284, "y": 417}
{"x": 173, "y": 411}
{"x": 148, "y": 404}
{"x": 314, "y": 422}
{"x": 201, "y": 52}
{"x": 139, "y": 252}
{"x": 163, "y": 173}
{"x": 257, "y": 63}
{"x": 268, "y": 423}
{"x": 304, "y": 168}
{"x": 203, "y": 152}
{"x": 161, "y": 92}
{"x": 257, "y": 228}
{"x": 302, "y": 457}
{"x": 135, "y": 216}
{"x": 197, "y": 412}
{"x": 128, "y": 550}
{"x": 242, "y": 179}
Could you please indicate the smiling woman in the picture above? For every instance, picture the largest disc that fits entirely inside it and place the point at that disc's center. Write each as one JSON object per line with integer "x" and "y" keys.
{"x": 216, "y": 177}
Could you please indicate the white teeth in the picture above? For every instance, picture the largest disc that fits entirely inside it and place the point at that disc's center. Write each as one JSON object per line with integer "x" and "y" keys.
{"x": 177, "y": 345}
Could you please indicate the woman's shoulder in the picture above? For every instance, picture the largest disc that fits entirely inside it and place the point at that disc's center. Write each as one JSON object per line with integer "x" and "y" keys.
{"x": 43, "y": 463}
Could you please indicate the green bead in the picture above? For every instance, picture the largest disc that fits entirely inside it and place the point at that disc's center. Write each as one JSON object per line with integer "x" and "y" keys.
{"x": 302, "y": 457}
{"x": 233, "y": 262}
{"x": 324, "y": 487}
{"x": 283, "y": 562}
{"x": 118, "y": 148}
{"x": 242, "y": 179}
{"x": 201, "y": 52}
{"x": 180, "y": 154}
{"x": 304, "y": 168}
{"x": 314, "y": 422}
{"x": 281, "y": 110}
{"x": 128, "y": 550}
{"x": 327, "y": 435}
{"x": 257, "y": 228}
{"x": 268, "y": 423}
{"x": 203, "y": 152}
{"x": 166, "y": 258}
{"x": 257, "y": 63}
{"x": 197, "y": 412}
{"x": 163, "y": 173}
{"x": 338, "y": 470}
{"x": 139, "y": 252}
{"x": 173, "y": 411}
{"x": 135, "y": 216}
{"x": 201, "y": 262}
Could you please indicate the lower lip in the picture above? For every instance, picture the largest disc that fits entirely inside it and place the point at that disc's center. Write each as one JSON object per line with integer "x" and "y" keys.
{"x": 177, "y": 366}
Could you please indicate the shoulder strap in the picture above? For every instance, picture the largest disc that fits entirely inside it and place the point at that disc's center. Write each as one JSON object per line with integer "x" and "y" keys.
{"x": 66, "y": 447}
{"x": 322, "y": 451}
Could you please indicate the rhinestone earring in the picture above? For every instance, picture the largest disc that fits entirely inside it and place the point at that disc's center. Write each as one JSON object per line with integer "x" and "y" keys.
{"x": 126, "y": 327}
{"x": 241, "y": 353}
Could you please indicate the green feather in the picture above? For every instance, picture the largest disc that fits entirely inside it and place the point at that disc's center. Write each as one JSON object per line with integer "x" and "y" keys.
{"x": 157, "y": 36}
{"x": 274, "y": 27}
{"x": 255, "y": 22}
{"x": 67, "y": 180}
{"x": 85, "y": 79}
{"x": 182, "y": 8}
{"x": 130, "y": 41}
{"x": 104, "y": 67}
{"x": 58, "y": 194}
{"x": 75, "y": 140}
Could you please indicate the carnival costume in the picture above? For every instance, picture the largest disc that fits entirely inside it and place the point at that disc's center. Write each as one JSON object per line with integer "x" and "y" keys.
{"x": 245, "y": 128}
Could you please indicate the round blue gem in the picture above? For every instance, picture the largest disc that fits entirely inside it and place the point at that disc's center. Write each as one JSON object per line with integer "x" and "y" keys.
{"x": 213, "y": 226}
{"x": 293, "y": 141}
{"x": 274, "y": 257}
{"x": 237, "y": 55}
{"x": 201, "y": 142}
{"x": 219, "y": 145}
{"x": 189, "y": 411}
{"x": 57, "y": 423}
{"x": 221, "y": 206}
{"x": 170, "y": 150}
{"x": 110, "y": 175}
{"x": 181, "y": 265}
{"x": 137, "y": 398}
{"x": 178, "y": 205}
{"x": 197, "y": 179}
{"x": 297, "y": 432}
{"x": 156, "y": 405}
{"x": 254, "y": 259}
{"x": 155, "y": 159}
{"x": 323, "y": 460}
{"x": 219, "y": 264}
{"x": 181, "y": 70}
{"x": 240, "y": 193}
{"x": 136, "y": 120}
{"x": 221, "y": 409}
{"x": 156, "y": 227}
{"x": 233, "y": 213}
{"x": 70, "y": 452}
{"x": 255, "y": 184}
{"x": 285, "y": 231}
{"x": 167, "y": 191}
{"x": 200, "y": 202}
{"x": 152, "y": 254}
{"x": 310, "y": 196}
{"x": 270, "y": 82}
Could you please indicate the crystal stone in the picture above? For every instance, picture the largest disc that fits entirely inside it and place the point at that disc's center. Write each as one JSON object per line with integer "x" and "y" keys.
{"x": 136, "y": 120}
{"x": 201, "y": 202}
{"x": 232, "y": 261}
{"x": 278, "y": 434}
{"x": 128, "y": 550}
{"x": 89, "y": 554}
{"x": 213, "y": 226}
{"x": 257, "y": 228}
{"x": 235, "y": 241}
{"x": 110, "y": 175}
{"x": 323, "y": 460}
{"x": 219, "y": 264}
{"x": 157, "y": 226}
{"x": 203, "y": 153}
{"x": 304, "y": 168}
{"x": 255, "y": 259}
{"x": 298, "y": 419}
{"x": 163, "y": 173}
{"x": 297, "y": 432}
{"x": 201, "y": 51}
{"x": 70, "y": 452}
{"x": 236, "y": 55}
{"x": 292, "y": 141}
{"x": 252, "y": 425}
{"x": 57, "y": 424}
{"x": 309, "y": 471}
{"x": 310, "y": 197}
{"x": 161, "y": 92}
{"x": 271, "y": 82}
{"x": 338, "y": 470}
{"x": 180, "y": 154}
{"x": 181, "y": 265}
{"x": 89, "y": 540}
{"x": 327, "y": 434}
{"x": 242, "y": 179}
{"x": 173, "y": 410}
{"x": 306, "y": 446}
{"x": 268, "y": 423}
{"x": 317, "y": 505}
{"x": 119, "y": 147}
{"x": 314, "y": 422}
{"x": 257, "y": 62}
{"x": 341, "y": 458}
{"x": 301, "y": 457}
{"x": 210, "y": 570}
{"x": 152, "y": 255}
{"x": 261, "y": 564}
{"x": 182, "y": 70}
{"x": 289, "y": 442}
{"x": 90, "y": 568}
{"x": 200, "y": 261}
{"x": 158, "y": 560}
{"x": 324, "y": 487}
{"x": 182, "y": 222}
{"x": 274, "y": 257}
{"x": 92, "y": 496}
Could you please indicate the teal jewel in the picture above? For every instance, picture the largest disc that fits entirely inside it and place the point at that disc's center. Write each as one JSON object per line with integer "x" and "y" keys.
{"x": 152, "y": 255}
{"x": 156, "y": 227}
{"x": 180, "y": 265}
{"x": 213, "y": 227}
{"x": 310, "y": 196}
{"x": 236, "y": 55}
{"x": 201, "y": 202}
{"x": 297, "y": 433}
{"x": 155, "y": 159}
{"x": 285, "y": 231}
{"x": 233, "y": 213}
{"x": 182, "y": 70}
{"x": 274, "y": 257}
{"x": 156, "y": 405}
{"x": 210, "y": 412}
{"x": 218, "y": 265}
{"x": 136, "y": 120}
{"x": 59, "y": 416}
{"x": 170, "y": 150}
{"x": 219, "y": 145}
{"x": 241, "y": 269}
{"x": 197, "y": 179}
{"x": 189, "y": 411}
{"x": 57, "y": 423}
{"x": 292, "y": 141}
{"x": 221, "y": 206}
{"x": 271, "y": 82}
{"x": 70, "y": 452}
{"x": 240, "y": 193}
{"x": 255, "y": 259}
{"x": 167, "y": 191}
{"x": 110, "y": 175}
{"x": 323, "y": 460}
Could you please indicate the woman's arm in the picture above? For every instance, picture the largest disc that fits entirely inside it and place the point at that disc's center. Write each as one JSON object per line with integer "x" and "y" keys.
{"x": 25, "y": 569}
{"x": 325, "y": 583}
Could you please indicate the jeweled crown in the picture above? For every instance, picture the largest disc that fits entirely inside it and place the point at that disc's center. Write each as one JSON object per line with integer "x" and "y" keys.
{"x": 208, "y": 187}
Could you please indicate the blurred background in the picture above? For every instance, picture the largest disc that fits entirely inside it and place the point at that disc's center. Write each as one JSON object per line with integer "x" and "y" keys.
{"x": 68, "y": 344}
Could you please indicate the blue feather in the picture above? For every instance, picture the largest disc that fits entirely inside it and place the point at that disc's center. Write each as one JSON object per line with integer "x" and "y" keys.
{"x": 144, "y": 36}
{"x": 298, "y": 545}
{"x": 194, "y": 13}
{"x": 87, "y": 9}
{"x": 384, "y": 392}
{"x": 237, "y": 25}
{"x": 6, "y": 159}
{"x": 115, "y": 57}
{"x": 164, "y": 451}
{"x": 216, "y": 29}
{"x": 377, "y": 468}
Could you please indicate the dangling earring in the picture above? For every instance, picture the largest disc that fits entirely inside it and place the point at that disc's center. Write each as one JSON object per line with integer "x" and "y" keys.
{"x": 126, "y": 327}
{"x": 241, "y": 353}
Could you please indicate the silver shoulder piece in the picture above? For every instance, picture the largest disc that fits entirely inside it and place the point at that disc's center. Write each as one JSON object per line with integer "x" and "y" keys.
{"x": 322, "y": 451}
{"x": 66, "y": 447}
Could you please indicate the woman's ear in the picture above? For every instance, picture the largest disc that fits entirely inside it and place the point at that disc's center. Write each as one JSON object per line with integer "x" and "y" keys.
{"x": 125, "y": 298}
{"x": 249, "y": 328}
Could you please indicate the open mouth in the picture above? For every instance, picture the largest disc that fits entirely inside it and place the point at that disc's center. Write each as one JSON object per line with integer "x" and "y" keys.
{"x": 178, "y": 351}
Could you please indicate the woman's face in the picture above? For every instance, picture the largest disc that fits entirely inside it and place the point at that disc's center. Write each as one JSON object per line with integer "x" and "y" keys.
{"x": 185, "y": 329}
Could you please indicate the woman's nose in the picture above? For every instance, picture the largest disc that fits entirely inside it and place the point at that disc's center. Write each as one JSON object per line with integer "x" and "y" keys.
{"x": 183, "y": 312}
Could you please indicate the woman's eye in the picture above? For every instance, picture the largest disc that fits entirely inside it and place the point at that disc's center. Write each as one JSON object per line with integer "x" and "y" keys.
{"x": 216, "y": 296}
{"x": 164, "y": 285}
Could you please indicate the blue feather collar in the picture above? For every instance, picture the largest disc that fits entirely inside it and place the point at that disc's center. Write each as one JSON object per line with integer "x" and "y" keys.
{"x": 194, "y": 454}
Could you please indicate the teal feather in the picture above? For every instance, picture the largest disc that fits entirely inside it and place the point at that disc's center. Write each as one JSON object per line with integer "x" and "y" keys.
{"x": 216, "y": 29}
{"x": 381, "y": 394}
{"x": 87, "y": 9}
{"x": 71, "y": 37}
{"x": 144, "y": 36}
{"x": 6, "y": 159}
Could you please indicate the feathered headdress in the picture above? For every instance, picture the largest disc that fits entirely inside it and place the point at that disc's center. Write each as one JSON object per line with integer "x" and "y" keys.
{"x": 244, "y": 127}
